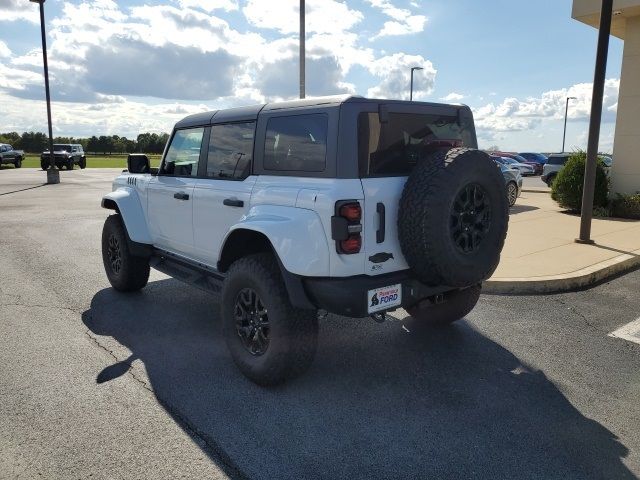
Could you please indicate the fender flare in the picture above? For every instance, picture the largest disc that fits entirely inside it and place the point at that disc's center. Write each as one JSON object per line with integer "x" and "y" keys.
{"x": 296, "y": 235}
{"x": 126, "y": 202}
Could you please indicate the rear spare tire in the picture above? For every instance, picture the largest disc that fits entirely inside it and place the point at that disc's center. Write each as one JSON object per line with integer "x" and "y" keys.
{"x": 453, "y": 218}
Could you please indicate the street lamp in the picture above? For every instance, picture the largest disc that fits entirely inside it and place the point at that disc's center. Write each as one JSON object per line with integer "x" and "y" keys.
{"x": 53, "y": 175}
{"x": 411, "y": 88}
{"x": 566, "y": 111}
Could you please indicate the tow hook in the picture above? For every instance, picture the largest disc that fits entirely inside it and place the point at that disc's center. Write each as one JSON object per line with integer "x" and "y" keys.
{"x": 379, "y": 317}
{"x": 438, "y": 299}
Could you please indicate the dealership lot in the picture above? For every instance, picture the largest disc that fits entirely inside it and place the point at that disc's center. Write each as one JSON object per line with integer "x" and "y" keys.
{"x": 140, "y": 386}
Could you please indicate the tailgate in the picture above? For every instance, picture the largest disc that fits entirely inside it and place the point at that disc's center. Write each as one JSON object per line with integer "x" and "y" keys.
{"x": 380, "y": 225}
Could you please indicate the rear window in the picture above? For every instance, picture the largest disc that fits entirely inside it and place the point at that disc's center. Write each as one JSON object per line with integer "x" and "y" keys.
{"x": 557, "y": 160}
{"x": 296, "y": 143}
{"x": 393, "y": 148}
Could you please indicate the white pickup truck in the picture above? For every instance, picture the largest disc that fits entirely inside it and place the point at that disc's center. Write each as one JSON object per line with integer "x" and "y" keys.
{"x": 290, "y": 210}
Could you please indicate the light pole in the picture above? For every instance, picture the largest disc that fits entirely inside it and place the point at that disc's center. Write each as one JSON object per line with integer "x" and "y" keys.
{"x": 411, "y": 88}
{"x": 53, "y": 175}
{"x": 566, "y": 111}
{"x": 302, "y": 49}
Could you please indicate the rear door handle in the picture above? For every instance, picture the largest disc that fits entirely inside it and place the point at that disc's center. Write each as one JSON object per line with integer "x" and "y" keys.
{"x": 233, "y": 202}
{"x": 181, "y": 196}
{"x": 381, "y": 225}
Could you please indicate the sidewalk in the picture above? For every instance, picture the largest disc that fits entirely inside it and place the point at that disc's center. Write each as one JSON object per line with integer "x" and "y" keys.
{"x": 540, "y": 255}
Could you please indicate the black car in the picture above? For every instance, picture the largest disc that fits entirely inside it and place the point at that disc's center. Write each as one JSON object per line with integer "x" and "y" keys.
{"x": 65, "y": 155}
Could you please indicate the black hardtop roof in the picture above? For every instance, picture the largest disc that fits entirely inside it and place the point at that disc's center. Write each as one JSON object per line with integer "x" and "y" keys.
{"x": 251, "y": 112}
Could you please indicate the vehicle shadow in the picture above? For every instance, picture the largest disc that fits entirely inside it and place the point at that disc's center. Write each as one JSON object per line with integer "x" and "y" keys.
{"x": 379, "y": 401}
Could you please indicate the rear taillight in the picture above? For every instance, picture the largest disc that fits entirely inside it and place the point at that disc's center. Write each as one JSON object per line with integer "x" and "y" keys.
{"x": 351, "y": 212}
{"x": 346, "y": 227}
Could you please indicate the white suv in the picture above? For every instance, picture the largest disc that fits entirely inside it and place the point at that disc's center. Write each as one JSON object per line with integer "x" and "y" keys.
{"x": 291, "y": 210}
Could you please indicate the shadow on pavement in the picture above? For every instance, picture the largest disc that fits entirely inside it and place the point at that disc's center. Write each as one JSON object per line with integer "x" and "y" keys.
{"x": 521, "y": 209}
{"x": 377, "y": 403}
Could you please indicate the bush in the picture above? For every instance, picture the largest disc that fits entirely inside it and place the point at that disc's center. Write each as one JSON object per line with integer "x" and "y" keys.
{"x": 626, "y": 206}
{"x": 568, "y": 185}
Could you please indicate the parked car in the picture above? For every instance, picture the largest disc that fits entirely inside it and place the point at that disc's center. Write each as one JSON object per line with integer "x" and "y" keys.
{"x": 65, "y": 155}
{"x": 290, "y": 210}
{"x": 9, "y": 155}
{"x": 525, "y": 170}
{"x": 557, "y": 161}
{"x": 534, "y": 157}
{"x": 535, "y": 166}
{"x": 513, "y": 181}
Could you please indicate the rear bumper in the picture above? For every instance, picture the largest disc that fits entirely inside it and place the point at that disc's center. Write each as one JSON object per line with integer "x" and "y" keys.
{"x": 349, "y": 296}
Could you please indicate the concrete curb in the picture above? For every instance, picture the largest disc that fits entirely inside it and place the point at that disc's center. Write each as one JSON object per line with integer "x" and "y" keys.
{"x": 536, "y": 190}
{"x": 577, "y": 280}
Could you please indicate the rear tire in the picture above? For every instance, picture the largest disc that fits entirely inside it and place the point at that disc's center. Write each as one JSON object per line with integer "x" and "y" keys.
{"x": 270, "y": 341}
{"x": 126, "y": 272}
{"x": 458, "y": 304}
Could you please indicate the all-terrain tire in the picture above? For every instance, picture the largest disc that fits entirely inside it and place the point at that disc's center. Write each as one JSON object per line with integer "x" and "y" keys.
{"x": 430, "y": 222}
{"x": 70, "y": 165}
{"x": 44, "y": 164}
{"x": 292, "y": 332}
{"x": 83, "y": 163}
{"x": 18, "y": 162}
{"x": 457, "y": 304}
{"x": 126, "y": 272}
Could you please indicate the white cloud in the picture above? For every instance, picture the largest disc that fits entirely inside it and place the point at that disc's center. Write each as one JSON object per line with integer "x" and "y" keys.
{"x": 516, "y": 115}
{"x": 12, "y": 10}
{"x": 453, "y": 97}
{"x": 210, "y": 5}
{"x": 395, "y": 72}
{"x": 5, "y": 51}
{"x": 403, "y": 21}
{"x": 322, "y": 16}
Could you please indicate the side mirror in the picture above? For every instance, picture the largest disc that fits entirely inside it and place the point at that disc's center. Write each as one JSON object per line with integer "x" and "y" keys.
{"x": 138, "y": 163}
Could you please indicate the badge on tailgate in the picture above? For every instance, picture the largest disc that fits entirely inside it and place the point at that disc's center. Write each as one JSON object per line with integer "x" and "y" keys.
{"x": 384, "y": 298}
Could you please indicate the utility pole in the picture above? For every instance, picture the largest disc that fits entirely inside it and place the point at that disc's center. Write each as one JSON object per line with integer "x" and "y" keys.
{"x": 594, "y": 125}
{"x": 53, "y": 174}
{"x": 413, "y": 69}
{"x": 302, "y": 49}
{"x": 566, "y": 111}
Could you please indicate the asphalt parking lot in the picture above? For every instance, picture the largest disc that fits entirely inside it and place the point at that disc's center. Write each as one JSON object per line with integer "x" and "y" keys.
{"x": 97, "y": 383}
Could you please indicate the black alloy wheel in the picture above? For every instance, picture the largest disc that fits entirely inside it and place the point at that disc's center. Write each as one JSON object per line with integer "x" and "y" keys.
{"x": 470, "y": 218}
{"x": 252, "y": 322}
{"x": 114, "y": 254}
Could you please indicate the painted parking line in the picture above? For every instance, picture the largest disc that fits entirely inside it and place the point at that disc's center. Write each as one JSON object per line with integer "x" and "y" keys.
{"x": 629, "y": 332}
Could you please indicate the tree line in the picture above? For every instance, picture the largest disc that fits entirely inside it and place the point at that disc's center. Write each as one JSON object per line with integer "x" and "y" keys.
{"x": 36, "y": 142}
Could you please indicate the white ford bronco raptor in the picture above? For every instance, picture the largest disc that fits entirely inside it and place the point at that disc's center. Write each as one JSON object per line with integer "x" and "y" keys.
{"x": 287, "y": 211}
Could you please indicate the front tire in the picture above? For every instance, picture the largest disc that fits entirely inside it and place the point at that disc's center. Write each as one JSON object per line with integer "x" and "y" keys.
{"x": 18, "y": 162}
{"x": 44, "y": 164}
{"x": 70, "y": 165}
{"x": 126, "y": 272}
{"x": 83, "y": 163}
{"x": 270, "y": 340}
{"x": 456, "y": 306}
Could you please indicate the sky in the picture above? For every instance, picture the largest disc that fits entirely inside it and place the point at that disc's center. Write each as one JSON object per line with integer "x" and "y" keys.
{"x": 137, "y": 66}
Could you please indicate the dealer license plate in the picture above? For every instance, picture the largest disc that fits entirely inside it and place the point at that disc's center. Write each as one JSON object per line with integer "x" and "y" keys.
{"x": 384, "y": 298}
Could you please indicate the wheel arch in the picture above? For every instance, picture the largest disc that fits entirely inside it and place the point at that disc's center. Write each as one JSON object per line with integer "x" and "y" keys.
{"x": 242, "y": 242}
{"x": 126, "y": 202}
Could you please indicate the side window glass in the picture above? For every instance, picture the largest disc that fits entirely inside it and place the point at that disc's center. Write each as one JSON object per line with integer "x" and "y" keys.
{"x": 184, "y": 153}
{"x": 230, "y": 151}
{"x": 296, "y": 143}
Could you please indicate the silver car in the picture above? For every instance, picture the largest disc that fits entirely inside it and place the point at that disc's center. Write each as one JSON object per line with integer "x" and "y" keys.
{"x": 513, "y": 179}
